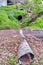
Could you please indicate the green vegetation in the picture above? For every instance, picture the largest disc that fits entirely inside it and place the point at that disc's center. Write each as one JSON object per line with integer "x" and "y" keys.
{"x": 38, "y": 24}
{"x": 41, "y": 61}
{"x": 6, "y": 23}
{"x": 9, "y": 15}
{"x": 12, "y": 61}
{"x": 25, "y": 22}
{"x": 6, "y": 8}
{"x": 33, "y": 63}
{"x": 36, "y": 7}
{"x": 2, "y": 63}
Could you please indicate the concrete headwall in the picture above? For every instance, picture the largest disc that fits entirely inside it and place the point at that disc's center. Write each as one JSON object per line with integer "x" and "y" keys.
{"x": 3, "y": 2}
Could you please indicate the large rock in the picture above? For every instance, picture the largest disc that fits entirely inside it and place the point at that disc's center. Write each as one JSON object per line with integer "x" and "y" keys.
{"x": 3, "y": 2}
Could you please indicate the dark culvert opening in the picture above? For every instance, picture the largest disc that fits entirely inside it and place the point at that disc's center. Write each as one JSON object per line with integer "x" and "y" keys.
{"x": 9, "y": 2}
{"x": 19, "y": 18}
{"x": 21, "y": 9}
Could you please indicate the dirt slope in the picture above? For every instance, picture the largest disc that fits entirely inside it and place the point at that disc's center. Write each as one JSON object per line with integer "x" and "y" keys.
{"x": 10, "y": 41}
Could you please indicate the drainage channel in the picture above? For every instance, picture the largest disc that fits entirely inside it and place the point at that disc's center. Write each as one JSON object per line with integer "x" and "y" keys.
{"x": 25, "y": 53}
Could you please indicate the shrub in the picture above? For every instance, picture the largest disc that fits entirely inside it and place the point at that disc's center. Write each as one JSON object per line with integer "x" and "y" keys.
{"x": 25, "y": 22}
{"x": 6, "y": 22}
{"x": 20, "y": 6}
{"x": 19, "y": 13}
{"x": 12, "y": 10}
{"x": 38, "y": 24}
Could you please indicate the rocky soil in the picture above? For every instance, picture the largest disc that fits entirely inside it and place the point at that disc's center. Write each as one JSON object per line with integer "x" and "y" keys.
{"x": 11, "y": 39}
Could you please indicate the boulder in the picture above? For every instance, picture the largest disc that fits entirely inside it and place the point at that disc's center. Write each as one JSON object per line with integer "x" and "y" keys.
{"x": 3, "y": 2}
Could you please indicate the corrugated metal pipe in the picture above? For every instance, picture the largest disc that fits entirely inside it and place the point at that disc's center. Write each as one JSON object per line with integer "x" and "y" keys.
{"x": 25, "y": 53}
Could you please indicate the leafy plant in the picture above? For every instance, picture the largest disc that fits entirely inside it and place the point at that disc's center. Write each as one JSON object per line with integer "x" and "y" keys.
{"x": 12, "y": 61}
{"x": 25, "y": 22}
